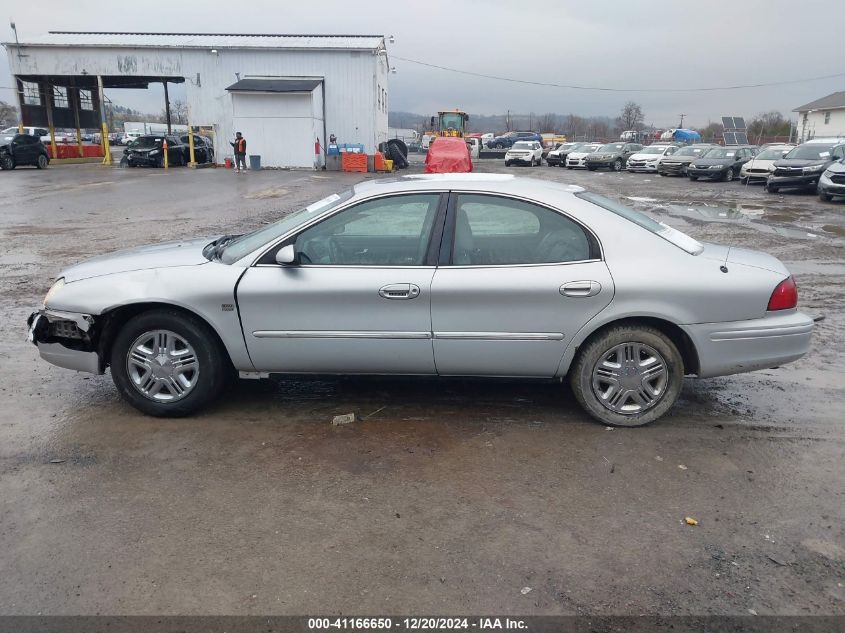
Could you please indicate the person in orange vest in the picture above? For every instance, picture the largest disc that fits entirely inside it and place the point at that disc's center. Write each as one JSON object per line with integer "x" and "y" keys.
{"x": 240, "y": 152}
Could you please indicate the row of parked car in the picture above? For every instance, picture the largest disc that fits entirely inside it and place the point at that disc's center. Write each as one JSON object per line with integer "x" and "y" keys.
{"x": 148, "y": 150}
{"x": 817, "y": 164}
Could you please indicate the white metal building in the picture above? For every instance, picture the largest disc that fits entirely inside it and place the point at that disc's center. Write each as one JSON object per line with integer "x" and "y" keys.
{"x": 283, "y": 92}
{"x": 823, "y": 117}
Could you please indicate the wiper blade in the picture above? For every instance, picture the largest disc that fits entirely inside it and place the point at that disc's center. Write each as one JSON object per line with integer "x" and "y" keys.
{"x": 219, "y": 245}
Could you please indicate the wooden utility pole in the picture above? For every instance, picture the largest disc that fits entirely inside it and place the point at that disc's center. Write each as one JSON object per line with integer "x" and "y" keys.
{"x": 167, "y": 107}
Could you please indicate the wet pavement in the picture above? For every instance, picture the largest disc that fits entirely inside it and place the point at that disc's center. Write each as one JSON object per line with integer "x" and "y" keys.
{"x": 450, "y": 496}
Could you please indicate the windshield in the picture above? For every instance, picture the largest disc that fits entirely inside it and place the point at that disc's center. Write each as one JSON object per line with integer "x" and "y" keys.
{"x": 145, "y": 142}
{"x": 588, "y": 149}
{"x": 676, "y": 237}
{"x": 611, "y": 147}
{"x": 523, "y": 145}
{"x": 566, "y": 147}
{"x": 772, "y": 154}
{"x": 811, "y": 151}
{"x": 451, "y": 120}
{"x": 10, "y": 130}
{"x": 721, "y": 152}
{"x": 691, "y": 151}
{"x": 653, "y": 150}
{"x": 245, "y": 244}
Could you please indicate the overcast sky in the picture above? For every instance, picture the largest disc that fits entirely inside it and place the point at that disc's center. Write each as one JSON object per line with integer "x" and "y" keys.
{"x": 613, "y": 44}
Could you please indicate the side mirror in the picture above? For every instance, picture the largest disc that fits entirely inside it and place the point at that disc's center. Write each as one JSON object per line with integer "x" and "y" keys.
{"x": 286, "y": 255}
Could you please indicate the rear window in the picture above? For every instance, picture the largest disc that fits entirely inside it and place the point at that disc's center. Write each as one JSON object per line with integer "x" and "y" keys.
{"x": 676, "y": 237}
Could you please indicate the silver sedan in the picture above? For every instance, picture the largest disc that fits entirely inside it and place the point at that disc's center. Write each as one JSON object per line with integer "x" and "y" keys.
{"x": 442, "y": 275}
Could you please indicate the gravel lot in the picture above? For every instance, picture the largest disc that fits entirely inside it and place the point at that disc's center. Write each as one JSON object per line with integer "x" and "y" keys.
{"x": 452, "y": 496}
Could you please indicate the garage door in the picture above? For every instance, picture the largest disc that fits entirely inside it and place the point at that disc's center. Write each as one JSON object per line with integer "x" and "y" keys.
{"x": 280, "y": 127}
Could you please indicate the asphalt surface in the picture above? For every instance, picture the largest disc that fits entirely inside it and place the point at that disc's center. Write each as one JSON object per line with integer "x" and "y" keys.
{"x": 450, "y": 496}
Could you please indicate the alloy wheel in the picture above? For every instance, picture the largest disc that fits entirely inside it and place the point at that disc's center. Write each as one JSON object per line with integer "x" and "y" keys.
{"x": 630, "y": 378}
{"x": 162, "y": 366}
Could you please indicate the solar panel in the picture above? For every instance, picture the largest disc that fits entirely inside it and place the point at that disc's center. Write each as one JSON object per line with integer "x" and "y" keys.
{"x": 727, "y": 122}
{"x": 739, "y": 123}
{"x": 741, "y": 138}
{"x": 730, "y": 138}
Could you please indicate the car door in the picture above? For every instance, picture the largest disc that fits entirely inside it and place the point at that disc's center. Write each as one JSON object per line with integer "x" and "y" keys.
{"x": 517, "y": 280}
{"x": 358, "y": 297}
{"x": 24, "y": 149}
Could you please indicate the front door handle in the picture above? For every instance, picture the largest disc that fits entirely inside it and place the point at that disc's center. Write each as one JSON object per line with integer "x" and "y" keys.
{"x": 585, "y": 288}
{"x": 399, "y": 291}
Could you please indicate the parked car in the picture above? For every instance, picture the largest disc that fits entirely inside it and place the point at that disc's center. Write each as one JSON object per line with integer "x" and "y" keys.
{"x": 648, "y": 158}
{"x": 506, "y": 140}
{"x": 23, "y": 149}
{"x": 832, "y": 181}
{"x": 128, "y": 137}
{"x": 578, "y": 158}
{"x": 532, "y": 279}
{"x": 558, "y": 154}
{"x": 147, "y": 151}
{"x": 524, "y": 153}
{"x": 203, "y": 149}
{"x": 721, "y": 163}
{"x": 676, "y": 165}
{"x": 759, "y": 167}
{"x": 10, "y": 132}
{"x": 803, "y": 165}
{"x": 612, "y": 156}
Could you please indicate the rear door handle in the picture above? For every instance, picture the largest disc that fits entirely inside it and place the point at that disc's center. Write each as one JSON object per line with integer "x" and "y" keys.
{"x": 585, "y": 288}
{"x": 399, "y": 291}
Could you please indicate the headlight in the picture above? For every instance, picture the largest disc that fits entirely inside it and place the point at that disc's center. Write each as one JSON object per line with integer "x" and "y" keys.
{"x": 154, "y": 152}
{"x": 828, "y": 173}
{"x": 716, "y": 166}
{"x": 813, "y": 168}
{"x": 58, "y": 285}
{"x": 651, "y": 160}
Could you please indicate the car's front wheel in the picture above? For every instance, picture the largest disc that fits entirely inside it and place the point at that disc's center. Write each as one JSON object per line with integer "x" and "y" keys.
{"x": 167, "y": 363}
{"x": 7, "y": 162}
{"x": 771, "y": 188}
{"x": 627, "y": 375}
{"x": 617, "y": 165}
{"x": 729, "y": 175}
{"x": 824, "y": 196}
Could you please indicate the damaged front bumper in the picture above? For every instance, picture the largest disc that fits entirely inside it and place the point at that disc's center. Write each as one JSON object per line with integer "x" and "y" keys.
{"x": 66, "y": 339}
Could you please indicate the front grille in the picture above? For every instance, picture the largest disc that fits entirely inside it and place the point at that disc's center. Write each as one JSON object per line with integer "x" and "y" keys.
{"x": 788, "y": 171}
{"x": 839, "y": 179}
{"x": 757, "y": 171}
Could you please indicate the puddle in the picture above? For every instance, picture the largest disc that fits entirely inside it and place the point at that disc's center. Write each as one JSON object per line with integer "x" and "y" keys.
{"x": 753, "y": 216}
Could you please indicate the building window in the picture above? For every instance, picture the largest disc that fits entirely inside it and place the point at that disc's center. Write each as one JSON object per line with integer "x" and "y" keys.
{"x": 85, "y": 100}
{"x": 31, "y": 93}
{"x": 826, "y": 118}
{"x": 378, "y": 96}
{"x": 384, "y": 99}
{"x": 60, "y": 96}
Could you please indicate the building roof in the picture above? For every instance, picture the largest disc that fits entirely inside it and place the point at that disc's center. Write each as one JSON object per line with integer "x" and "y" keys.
{"x": 830, "y": 102}
{"x": 274, "y": 85}
{"x": 114, "y": 39}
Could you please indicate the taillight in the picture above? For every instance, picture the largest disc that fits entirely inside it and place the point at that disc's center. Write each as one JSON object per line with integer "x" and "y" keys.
{"x": 785, "y": 295}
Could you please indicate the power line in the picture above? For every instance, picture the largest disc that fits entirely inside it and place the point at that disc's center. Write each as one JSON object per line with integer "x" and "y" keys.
{"x": 604, "y": 89}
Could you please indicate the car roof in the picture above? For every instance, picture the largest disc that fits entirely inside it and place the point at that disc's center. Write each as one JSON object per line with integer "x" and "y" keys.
{"x": 500, "y": 183}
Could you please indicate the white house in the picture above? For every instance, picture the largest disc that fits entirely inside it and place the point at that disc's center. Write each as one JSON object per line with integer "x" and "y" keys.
{"x": 822, "y": 118}
{"x": 284, "y": 92}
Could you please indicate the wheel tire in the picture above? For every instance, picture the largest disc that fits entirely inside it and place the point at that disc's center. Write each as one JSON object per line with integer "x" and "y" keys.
{"x": 581, "y": 374}
{"x": 42, "y": 162}
{"x": 498, "y": 146}
{"x": 507, "y": 163}
{"x": 6, "y": 163}
{"x": 568, "y": 167}
{"x": 743, "y": 181}
{"x": 617, "y": 165}
{"x": 214, "y": 366}
{"x": 396, "y": 156}
{"x": 771, "y": 188}
{"x": 693, "y": 178}
{"x": 729, "y": 175}
{"x": 590, "y": 168}
{"x": 825, "y": 197}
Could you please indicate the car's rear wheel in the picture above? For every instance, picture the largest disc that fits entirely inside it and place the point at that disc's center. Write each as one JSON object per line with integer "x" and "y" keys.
{"x": 627, "y": 375}
{"x": 42, "y": 162}
{"x": 168, "y": 364}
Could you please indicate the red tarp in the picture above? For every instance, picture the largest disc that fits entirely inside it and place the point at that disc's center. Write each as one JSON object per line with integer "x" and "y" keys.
{"x": 72, "y": 151}
{"x": 448, "y": 155}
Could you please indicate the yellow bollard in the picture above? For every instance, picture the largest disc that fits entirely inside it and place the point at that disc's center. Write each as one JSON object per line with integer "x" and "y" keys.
{"x": 193, "y": 162}
{"x": 166, "y": 157}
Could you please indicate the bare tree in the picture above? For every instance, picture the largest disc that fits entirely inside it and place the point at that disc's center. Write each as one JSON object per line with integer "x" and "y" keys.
{"x": 8, "y": 114}
{"x": 178, "y": 112}
{"x": 547, "y": 122}
{"x": 631, "y": 117}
